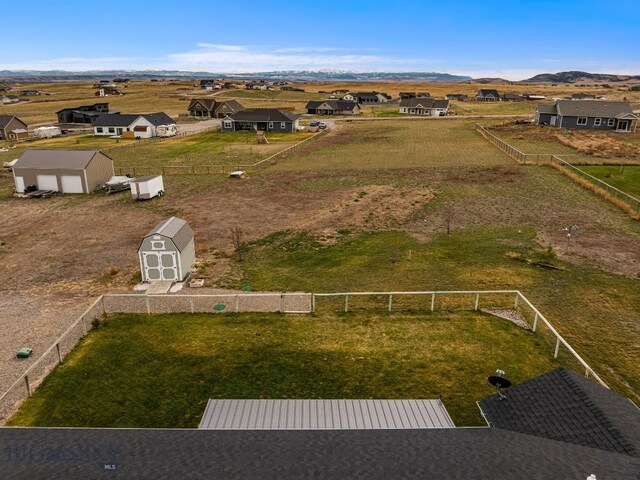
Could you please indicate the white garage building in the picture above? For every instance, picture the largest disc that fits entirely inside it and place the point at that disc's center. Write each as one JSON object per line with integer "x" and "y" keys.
{"x": 65, "y": 171}
{"x": 167, "y": 252}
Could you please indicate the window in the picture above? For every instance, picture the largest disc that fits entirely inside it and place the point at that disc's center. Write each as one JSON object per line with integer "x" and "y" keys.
{"x": 582, "y": 120}
{"x": 597, "y": 122}
{"x": 611, "y": 122}
{"x": 270, "y": 125}
{"x": 99, "y": 129}
{"x": 112, "y": 130}
{"x": 283, "y": 125}
{"x": 227, "y": 124}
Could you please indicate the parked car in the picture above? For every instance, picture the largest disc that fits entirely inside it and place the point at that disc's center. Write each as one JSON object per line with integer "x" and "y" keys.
{"x": 322, "y": 125}
{"x": 314, "y": 123}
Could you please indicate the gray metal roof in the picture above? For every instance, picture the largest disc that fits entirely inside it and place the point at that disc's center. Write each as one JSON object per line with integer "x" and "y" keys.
{"x": 324, "y": 415}
{"x": 264, "y": 115}
{"x": 176, "y": 229}
{"x": 56, "y": 158}
{"x": 424, "y": 103}
{"x": 593, "y": 108}
{"x": 126, "y": 119}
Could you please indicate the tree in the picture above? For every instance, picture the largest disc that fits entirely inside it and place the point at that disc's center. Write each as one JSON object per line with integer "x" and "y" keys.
{"x": 237, "y": 238}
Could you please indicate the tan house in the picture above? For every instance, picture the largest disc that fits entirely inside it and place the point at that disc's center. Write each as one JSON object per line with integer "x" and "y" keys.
{"x": 12, "y": 128}
{"x": 65, "y": 171}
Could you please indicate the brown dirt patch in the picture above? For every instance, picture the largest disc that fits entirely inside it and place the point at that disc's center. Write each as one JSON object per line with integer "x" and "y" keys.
{"x": 599, "y": 144}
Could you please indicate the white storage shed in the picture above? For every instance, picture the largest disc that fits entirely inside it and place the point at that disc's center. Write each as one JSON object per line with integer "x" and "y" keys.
{"x": 167, "y": 252}
{"x": 144, "y": 188}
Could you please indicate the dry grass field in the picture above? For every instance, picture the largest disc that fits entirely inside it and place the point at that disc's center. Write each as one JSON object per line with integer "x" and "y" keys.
{"x": 333, "y": 214}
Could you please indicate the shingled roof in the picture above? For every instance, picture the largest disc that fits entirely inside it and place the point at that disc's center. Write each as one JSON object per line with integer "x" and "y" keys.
{"x": 56, "y": 158}
{"x": 335, "y": 104}
{"x": 126, "y": 119}
{"x": 594, "y": 108}
{"x": 424, "y": 103}
{"x": 561, "y": 405}
{"x": 264, "y": 115}
{"x": 176, "y": 229}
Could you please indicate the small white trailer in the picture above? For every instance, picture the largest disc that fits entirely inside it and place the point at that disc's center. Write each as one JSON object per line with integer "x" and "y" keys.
{"x": 144, "y": 188}
{"x": 166, "y": 130}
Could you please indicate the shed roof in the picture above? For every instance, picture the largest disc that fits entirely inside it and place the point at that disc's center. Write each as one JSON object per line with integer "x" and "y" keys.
{"x": 488, "y": 91}
{"x": 561, "y": 405}
{"x": 176, "y": 229}
{"x": 56, "y": 158}
{"x": 339, "y": 414}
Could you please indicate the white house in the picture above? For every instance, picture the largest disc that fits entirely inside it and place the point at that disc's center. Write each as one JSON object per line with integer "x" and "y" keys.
{"x": 424, "y": 106}
{"x": 142, "y": 125}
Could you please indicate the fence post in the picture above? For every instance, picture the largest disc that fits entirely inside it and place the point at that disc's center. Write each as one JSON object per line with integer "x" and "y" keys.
{"x": 26, "y": 380}
{"x": 58, "y": 350}
{"x": 535, "y": 322}
{"x": 313, "y": 303}
{"x": 282, "y": 303}
{"x": 515, "y": 302}
{"x": 477, "y": 301}
{"x": 555, "y": 355}
{"x": 146, "y": 299}
{"x": 346, "y": 303}
{"x": 433, "y": 301}
{"x": 237, "y": 303}
{"x": 191, "y": 304}
{"x": 390, "y": 301}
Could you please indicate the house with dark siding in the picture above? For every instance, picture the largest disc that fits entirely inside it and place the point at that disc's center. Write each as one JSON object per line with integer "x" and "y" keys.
{"x": 461, "y": 97}
{"x": 261, "y": 119}
{"x": 332, "y": 107}
{"x": 83, "y": 113}
{"x": 210, "y": 108}
{"x": 588, "y": 114}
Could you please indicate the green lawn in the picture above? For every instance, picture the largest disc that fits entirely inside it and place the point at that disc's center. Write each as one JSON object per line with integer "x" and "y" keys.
{"x": 370, "y": 145}
{"x": 625, "y": 178}
{"x": 209, "y": 148}
{"x": 598, "y": 312}
{"x": 159, "y": 371}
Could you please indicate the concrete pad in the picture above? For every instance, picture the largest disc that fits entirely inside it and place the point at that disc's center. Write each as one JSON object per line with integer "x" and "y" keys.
{"x": 159, "y": 288}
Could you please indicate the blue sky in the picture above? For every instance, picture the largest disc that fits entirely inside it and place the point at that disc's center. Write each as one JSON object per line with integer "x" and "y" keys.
{"x": 512, "y": 39}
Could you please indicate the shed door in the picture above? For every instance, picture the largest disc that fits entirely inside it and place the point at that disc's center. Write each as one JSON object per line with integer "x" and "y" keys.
{"x": 19, "y": 184}
{"x": 160, "y": 266}
{"x": 47, "y": 182}
{"x": 72, "y": 184}
{"x": 552, "y": 121}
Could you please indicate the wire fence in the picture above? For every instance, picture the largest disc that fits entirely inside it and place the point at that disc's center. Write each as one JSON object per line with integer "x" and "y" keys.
{"x": 622, "y": 199}
{"x": 290, "y": 303}
{"x": 212, "y": 169}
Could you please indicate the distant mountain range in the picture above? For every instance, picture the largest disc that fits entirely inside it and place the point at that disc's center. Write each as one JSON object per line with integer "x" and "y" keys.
{"x": 308, "y": 75}
{"x": 35, "y": 76}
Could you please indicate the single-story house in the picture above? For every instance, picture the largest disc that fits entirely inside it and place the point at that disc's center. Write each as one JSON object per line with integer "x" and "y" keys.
{"x": 511, "y": 97}
{"x": 263, "y": 119}
{"x": 84, "y": 113}
{"x": 558, "y": 425}
{"x": 209, "y": 85}
{"x": 404, "y": 95}
{"x": 7, "y": 99}
{"x": 11, "y": 127}
{"x": 461, "y": 97}
{"x": 167, "y": 252}
{"x": 583, "y": 96}
{"x": 488, "y": 95}
{"x": 588, "y": 114}
{"x": 370, "y": 97}
{"x": 29, "y": 93}
{"x": 332, "y": 107}
{"x": 289, "y": 88}
{"x": 340, "y": 91}
{"x": 424, "y": 106}
{"x": 142, "y": 125}
{"x": 210, "y": 108}
{"x": 107, "y": 91}
{"x": 65, "y": 171}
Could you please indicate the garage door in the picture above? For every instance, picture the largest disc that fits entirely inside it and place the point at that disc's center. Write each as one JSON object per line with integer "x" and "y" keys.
{"x": 19, "y": 184}
{"x": 47, "y": 182}
{"x": 160, "y": 266}
{"x": 72, "y": 184}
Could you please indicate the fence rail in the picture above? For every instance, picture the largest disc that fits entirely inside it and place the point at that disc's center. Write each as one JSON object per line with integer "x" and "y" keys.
{"x": 291, "y": 302}
{"x": 632, "y": 201}
{"x": 551, "y": 159}
{"x": 209, "y": 169}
